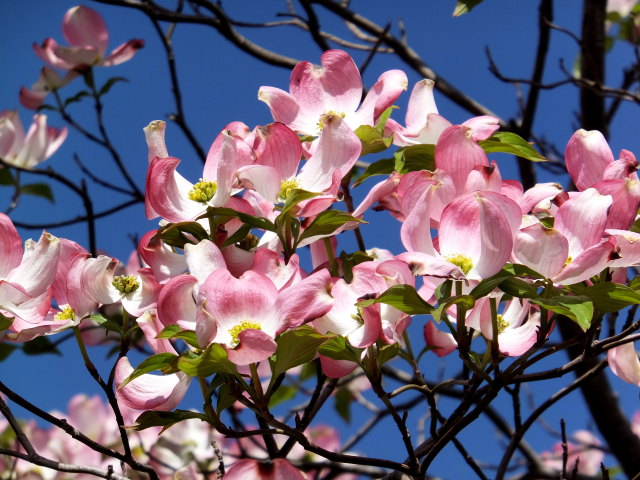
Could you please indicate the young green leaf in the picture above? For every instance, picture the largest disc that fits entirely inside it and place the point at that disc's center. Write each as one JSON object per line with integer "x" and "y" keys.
{"x": 165, "y": 362}
{"x": 506, "y": 142}
{"x": 212, "y": 360}
{"x": 578, "y": 308}
{"x": 164, "y": 419}
{"x": 38, "y": 190}
{"x": 296, "y": 347}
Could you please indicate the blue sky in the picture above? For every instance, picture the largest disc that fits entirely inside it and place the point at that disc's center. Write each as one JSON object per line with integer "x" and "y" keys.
{"x": 220, "y": 85}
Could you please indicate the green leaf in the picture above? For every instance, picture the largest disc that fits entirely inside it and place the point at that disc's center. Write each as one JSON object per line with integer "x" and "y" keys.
{"x": 165, "y": 362}
{"x": 106, "y": 323}
{"x": 578, "y": 308}
{"x": 296, "y": 347}
{"x": 174, "y": 331}
{"x": 38, "y": 190}
{"x": 403, "y": 297}
{"x": 164, "y": 419}
{"x": 238, "y": 236}
{"x": 179, "y": 234}
{"x": 5, "y": 177}
{"x": 635, "y": 283}
{"x": 385, "y": 166}
{"x": 39, "y": 346}
{"x": 611, "y": 297}
{"x": 517, "y": 287}
{"x": 5, "y": 351}
{"x": 338, "y": 348}
{"x": 506, "y": 142}
{"x": 76, "y": 98}
{"x": 382, "y": 119}
{"x": 351, "y": 260}
{"x": 212, "y": 360}
{"x": 225, "y": 398}
{"x": 415, "y": 158}
{"x": 488, "y": 285}
{"x": 110, "y": 83}
{"x": 343, "y": 403}
{"x": 466, "y": 301}
{"x": 255, "y": 222}
{"x": 297, "y": 195}
{"x": 464, "y": 6}
{"x": 387, "y": 353}
{"x": 372, "y": 140}
{"x": 521, "y": 271}
{"x": 5, "y": 322}
{"x": 327, "y": 222}
{"x": 282, "y": 394}
{"x": 308, "y": 370}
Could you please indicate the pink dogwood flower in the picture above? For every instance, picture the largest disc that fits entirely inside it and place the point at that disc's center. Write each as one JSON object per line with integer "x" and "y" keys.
{"x": 576, "y": 248}
{"x": 27, "y": 151}
{"x": 423, "y": 124}
{"x": 245, "y": 314}
{"x": 171, "y": 196}
{"x": 85, "y": 31}
{"x": 583, "y": 454}
{"x": 137, "y": 292}
{"x": 624, "y": 363}
{"x": 333, "y": 89}
{"x": 26, "y": 276}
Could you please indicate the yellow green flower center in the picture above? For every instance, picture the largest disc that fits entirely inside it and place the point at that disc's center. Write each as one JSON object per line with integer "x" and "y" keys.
{"x": 331, "y": 113}
{"x": 241, "y": 327}
{"x": 462, "y": 261}
{"x": 502, "y": 323}
{"x": 203, "y": 191}
{"x": 66, "y": 313}
{"x": 286, "y": 187}
{"x": 126, "y": 283}
{"x": 249, "y": 242}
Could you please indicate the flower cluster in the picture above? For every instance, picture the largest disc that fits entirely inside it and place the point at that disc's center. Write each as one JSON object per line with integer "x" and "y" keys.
{"x": 221, "y": 288}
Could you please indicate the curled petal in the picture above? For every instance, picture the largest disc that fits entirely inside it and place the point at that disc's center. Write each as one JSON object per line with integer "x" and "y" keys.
{"x": 457, "y": 153}
{"x": 203, "y": 259}
{"x": 338, "y": 149}
{"x": 10, "y": 246}
{"x": 336, "y": 368}
{"x": 164, "y": 262}
{"x": 543, "y": 249}
{"x": 582, "y": 219}
{"x": 150, "y": 392}
{"x": 37, "y": 269}
{"x": 151, "y": 327}
{"x": 176, "y": 302}
{"x": 97, "y": 278}
{"x": 380, "y": 97}
{"x": 587, "y": 156}
{"x": 84, "y": 26}
{"x": 154, "y": 134}
{"x": 284, "y": 108}
{"x": 421, "y": 104}
{"x": 483, "y": 126}
{"x": 279, "y": 147}
{"x": 123, "y": 53}
{"x": 167, "y": 192}
{"x": 254, "y": 346}
{"x": 443, "y": 343}
{"x": 306, "y": 300}
{"x": 624, "y": 363}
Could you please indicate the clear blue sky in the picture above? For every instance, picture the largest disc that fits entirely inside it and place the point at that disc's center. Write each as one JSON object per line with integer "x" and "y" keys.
{"x": 220, "y": 85}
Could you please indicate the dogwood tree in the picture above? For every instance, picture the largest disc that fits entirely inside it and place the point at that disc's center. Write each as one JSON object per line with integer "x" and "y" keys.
{"x": 257, "y": 326}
